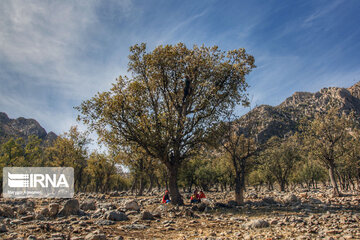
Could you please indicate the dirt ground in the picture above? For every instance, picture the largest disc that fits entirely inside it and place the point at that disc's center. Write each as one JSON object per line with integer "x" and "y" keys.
{"x": 301, "y": 214}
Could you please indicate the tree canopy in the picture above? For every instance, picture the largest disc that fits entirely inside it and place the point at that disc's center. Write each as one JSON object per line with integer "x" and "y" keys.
{"x": 173, "y": 96}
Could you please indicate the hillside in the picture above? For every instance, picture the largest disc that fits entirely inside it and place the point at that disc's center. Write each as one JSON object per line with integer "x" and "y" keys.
{"x": 22, "y": 127}
{"x": 283, "y": 119}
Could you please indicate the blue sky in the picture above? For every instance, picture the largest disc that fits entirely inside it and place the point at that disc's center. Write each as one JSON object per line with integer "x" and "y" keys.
{"x": 55, "y": 54}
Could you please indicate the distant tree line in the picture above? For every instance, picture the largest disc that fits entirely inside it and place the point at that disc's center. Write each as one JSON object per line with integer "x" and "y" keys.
{"x": 325, "y": 151}
{"x": 93, "y": 171}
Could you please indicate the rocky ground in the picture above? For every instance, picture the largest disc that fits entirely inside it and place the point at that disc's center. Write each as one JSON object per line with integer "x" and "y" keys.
{"x": 266, "y": 215}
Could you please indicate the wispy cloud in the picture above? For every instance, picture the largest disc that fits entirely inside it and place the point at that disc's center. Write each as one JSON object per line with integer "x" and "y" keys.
{"x": 54, "y": 54}
{"x": 41, "y": 48}
{"x": 321, "y": 12}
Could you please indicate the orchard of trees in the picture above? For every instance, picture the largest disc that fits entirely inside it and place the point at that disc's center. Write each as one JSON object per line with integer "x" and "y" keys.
{"x": 172, "y": 125}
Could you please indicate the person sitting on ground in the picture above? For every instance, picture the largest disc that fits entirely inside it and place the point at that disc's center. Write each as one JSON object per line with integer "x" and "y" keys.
{"x": 166, "y": 197}
{"x": 195, "y": 198}
{"x": 201, "y": 195}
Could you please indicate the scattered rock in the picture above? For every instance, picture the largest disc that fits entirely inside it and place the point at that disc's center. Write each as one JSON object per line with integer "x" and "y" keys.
{"x": 116, "y": 216}
{"x": 314, "y": 201}
{"x": 30, "y": 204}
{"x": 232, "y": 203}
{"x": 269, "y": 200}
{"x": 53, "y": 209}
{"x": 104, "y": 222}
{"x": 88, "y": 205}
{"x": 291, "y": 199}
{"x": 45, "y": 212}
{"x": 3, "y": 228}
{"x": 258, "y": 223}
{"x": 146, "y": 216}
{"x": 28, "y": 218}
{"x": 135, "y": 226}
{"x": 71, "y": 207}
{"x": 95, "y": 236}
{"x": 132, "y": 205}
{"x": 6, "y": 211}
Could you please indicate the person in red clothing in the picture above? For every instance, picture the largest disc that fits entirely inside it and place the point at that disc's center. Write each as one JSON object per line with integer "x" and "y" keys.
{"x": 195, "y": 198}
{"x": 166, "y": 197}
{"x": 201, "y": 195}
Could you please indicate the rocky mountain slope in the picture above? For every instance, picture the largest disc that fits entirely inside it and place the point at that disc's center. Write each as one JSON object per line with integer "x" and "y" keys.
{"x": 22, "y": 127}
{"x": 283, "y": 119}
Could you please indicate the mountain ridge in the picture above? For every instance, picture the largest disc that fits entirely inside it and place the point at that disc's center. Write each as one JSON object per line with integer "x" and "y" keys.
{"x": 22, "y": 127}
{"x": 283, "y": 119}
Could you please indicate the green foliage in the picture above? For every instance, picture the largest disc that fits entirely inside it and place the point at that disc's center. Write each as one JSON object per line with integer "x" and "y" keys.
{"x": 104, "y": 174}
{"x": 68, "y": 150}
{"x": 175, "y": 94}
{"x": 326, "y": 138}
{"x": 310, "y": 173}
{"x": 280, "y": 158}
{"x": 200, "y": 171}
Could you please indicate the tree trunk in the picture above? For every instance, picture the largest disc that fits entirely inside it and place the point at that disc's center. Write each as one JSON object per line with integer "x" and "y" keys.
{"x": 239, "y": 187}
{"x": 176, "y": 198}
{"x": 141, "y": 187}
{"x": 336, "y": 192}
{"x": 151, "y": 177}
{"x": 133, "y": 186}
{"x": 282, "y": 186}
{"x": 158, "y": 184}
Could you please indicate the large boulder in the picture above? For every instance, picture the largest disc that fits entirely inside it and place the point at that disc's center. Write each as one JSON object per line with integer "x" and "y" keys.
{"x": 3, "y": 228}
{"x": 71, "y": 207}
{"x": 291, "y": 199}
{"x": 88, "y": 205}
{"x": 116, "y": 216}
{"x": 6, "y": 211}
{"x": 53, "y": 209}
{"x": 132, "y": 205}
{"x": 146, "y": 216}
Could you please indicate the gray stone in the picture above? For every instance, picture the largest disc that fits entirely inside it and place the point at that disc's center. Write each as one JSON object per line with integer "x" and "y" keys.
{"x": 3, "y": 228}
{"x": 132, "y": 205}
{"x": 135, "y": 226}
{"x": 45, "y": 212}
{"x": 291, "y": 199}
{"x": 95, "y": 236}
{"x": 104, "y": 222}
{"x": 6, "y": 211}
{"x": 116, "y": 216}
{"x": 88, "y": 205}
{"x": 269, "y": 200}
{"x": 146, "y": 216}
{"x": 53, "y": 209}
{"x": 258, "y": 223}
{"x": 71, "y": 207}
{"x": 28, "y": 218}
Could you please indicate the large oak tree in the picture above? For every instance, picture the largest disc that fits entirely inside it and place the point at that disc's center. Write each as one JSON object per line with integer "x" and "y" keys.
{"x": 173, "y": 96}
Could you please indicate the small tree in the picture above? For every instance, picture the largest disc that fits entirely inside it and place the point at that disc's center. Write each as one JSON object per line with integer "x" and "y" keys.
{"x": 174, "y": 95}
{"x": 280, "y": 158}
{"x": 141, "y": 166}
{"x": 326, "y": 139}
{"x": 103, "y": 172}
{"x": 239, "y": 149}
{"x": 70, "y": 150}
